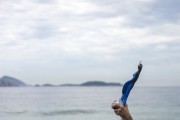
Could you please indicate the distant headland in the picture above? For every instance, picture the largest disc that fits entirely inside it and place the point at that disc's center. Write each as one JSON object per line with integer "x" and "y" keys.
{"x": 7, "y": 81}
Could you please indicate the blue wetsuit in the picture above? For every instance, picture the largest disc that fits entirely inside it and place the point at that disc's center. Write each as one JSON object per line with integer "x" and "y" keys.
{"x": 129, "y": 85}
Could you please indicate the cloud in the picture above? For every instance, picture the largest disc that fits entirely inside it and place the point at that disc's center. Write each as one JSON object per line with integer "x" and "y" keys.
{"x": 75, "y": 34}
{"x": 166, "y": 10}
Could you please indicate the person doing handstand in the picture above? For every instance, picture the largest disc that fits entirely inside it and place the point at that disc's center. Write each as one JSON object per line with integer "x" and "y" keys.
{"x": 120, "y": 106}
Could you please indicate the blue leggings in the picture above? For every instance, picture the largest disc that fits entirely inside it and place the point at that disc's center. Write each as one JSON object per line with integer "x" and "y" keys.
{"x": 128, "y": 86}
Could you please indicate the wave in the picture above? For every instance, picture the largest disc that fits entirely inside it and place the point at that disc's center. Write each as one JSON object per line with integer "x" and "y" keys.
{"x": 18, "y": 112}
{"x": 53, "y": 113}
{"x": 68, "y": 112}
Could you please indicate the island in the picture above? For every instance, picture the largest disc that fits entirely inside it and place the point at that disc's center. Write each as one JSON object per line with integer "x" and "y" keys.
{"x": 7, "y": 81}
{"x": 100, "y": 83}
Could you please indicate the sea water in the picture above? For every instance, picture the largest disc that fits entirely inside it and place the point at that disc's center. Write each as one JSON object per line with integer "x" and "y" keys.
{"x": 87, "y": 103}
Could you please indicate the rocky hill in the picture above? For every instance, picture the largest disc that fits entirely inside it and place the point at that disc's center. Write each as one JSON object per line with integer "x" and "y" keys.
{"x": 7, "y": 81}
{"x": 99, "y": 83}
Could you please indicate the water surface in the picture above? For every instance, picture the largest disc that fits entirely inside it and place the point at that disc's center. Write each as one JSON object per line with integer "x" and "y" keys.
{"x": 87, "y": 103}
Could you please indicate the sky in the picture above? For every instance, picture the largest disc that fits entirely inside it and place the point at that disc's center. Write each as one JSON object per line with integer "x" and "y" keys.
{"x": 74, "y": 41}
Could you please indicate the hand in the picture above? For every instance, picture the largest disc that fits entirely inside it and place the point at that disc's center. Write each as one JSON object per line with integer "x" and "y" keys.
{"x": 121, "y": 111}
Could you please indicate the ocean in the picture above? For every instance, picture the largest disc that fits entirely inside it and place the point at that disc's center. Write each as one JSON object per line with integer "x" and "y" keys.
{"x": 87, "y": 103}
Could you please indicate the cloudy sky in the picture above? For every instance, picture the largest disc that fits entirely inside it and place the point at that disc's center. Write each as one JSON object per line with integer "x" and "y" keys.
{"x": 73, "y": 41}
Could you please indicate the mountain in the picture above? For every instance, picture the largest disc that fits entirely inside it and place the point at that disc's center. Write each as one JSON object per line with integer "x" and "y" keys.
{"x": 48, "y": 85}
{"x": 99, "y": 83}
{"x": 88, "y": 83}
{"x": 7, "y": 81}
{"x": 69, "y": 85}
